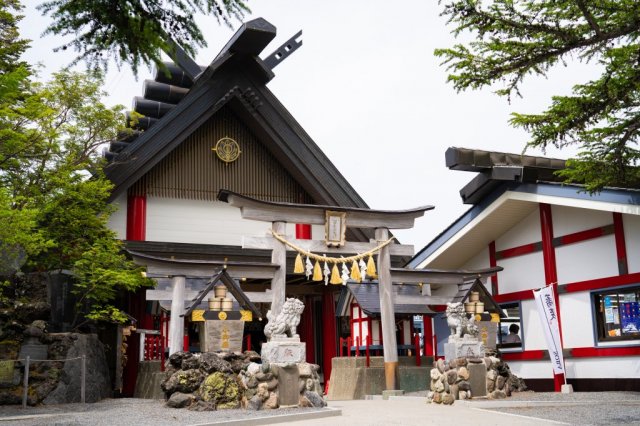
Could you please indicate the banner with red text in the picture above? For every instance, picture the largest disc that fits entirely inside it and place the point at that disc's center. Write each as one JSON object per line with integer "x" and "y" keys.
{"x": 548, "y": 313}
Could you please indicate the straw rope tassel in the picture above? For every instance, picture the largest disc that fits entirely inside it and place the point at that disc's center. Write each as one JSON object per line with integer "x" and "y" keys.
{"x": 299, "y": 266}
{"x": 317, "y": 272}
{"x": 335, "y": 275}
{"x": 371, "y": 268}
{"x": 355, "y": 272}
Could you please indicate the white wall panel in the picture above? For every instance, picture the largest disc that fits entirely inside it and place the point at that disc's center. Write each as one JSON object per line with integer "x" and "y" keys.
{"x": 521, "y": 273}
{"x": 587, "y": 260}
{"x": 479, "y": 261}
{"x": 199, "y": 222}
{"x": 118, "y": 220}
{"x": 577, "y": 320}
{"x": 592, "y": 368}
{"x": 532, "y": 369}
{"x": 567, "y": 220}
{"x": 526, "y": 231}
{"x": 631, "y": 225}
{"x": 533, "y": 336}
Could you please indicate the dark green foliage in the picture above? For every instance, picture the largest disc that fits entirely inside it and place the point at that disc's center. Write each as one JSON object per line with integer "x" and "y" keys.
{"x": 53, "y": 197}
{"x": 514, "y": 39}
{"x": 133, "y": 31}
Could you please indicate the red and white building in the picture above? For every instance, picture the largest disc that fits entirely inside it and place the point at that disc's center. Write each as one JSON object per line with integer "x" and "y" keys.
{"x": 542, "y": 232}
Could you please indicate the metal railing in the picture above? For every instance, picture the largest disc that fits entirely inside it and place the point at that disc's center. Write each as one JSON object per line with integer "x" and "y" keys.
{"x": 27, "y": 363}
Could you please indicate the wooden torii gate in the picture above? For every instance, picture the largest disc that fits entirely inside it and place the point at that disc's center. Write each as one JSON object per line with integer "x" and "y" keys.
{"x": 279, "y": 214}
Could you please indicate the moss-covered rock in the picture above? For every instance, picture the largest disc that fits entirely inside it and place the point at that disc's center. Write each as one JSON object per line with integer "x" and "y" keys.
{"x": 220, "y": 389}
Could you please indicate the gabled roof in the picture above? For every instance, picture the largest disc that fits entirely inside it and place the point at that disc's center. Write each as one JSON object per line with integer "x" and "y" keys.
{"x": 500, "y": 203}
{"x": 237, "y": 77}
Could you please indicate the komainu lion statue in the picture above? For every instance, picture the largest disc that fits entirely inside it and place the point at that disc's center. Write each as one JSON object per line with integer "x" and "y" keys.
{"x": 287, "y": 321}
{"x": 458, "y": 322}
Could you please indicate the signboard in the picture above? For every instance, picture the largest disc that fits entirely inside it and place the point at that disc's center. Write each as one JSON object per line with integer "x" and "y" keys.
{"x": 222, "y": 335}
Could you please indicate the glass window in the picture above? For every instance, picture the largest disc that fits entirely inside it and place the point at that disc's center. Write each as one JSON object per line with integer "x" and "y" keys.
{"x": 617, "y": 314}
{"x": 510, "y": 331}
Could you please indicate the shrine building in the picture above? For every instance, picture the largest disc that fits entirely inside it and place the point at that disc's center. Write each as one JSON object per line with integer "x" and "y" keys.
{"x": 203, "y": 130}
{"x": 543, "y": 232}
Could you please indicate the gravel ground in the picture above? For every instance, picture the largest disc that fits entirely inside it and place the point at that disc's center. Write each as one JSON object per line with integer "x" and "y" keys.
{"x": 126, "y": 411}
{"x": 578, "y": 408}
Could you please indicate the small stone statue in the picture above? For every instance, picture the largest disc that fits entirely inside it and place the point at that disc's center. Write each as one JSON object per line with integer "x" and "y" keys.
{"x": 458, "y": 322}
{"x": 287, "y": 321}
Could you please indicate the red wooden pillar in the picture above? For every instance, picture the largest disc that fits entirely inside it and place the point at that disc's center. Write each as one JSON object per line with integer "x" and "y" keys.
{"x": 550, "y": 272}
{"x": 136, "y": 217}
{"x": 329, "y": 335}
{"x": 428, "y": 335}
{"x": 621, "y": 246}
{"x": 306, "y": 329}
{"x": 303, "y": 232}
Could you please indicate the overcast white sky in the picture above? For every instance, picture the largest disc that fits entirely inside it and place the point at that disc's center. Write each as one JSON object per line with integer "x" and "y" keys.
{"x": 366, "y": 86}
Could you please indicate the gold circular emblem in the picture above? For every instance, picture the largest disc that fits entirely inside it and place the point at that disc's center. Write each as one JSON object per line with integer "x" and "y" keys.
{"x": 222, "y": 315}
{"x": 227, "y": 150}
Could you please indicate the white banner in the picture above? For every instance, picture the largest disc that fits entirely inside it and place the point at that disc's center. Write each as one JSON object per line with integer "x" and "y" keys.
{"x": 547, "y": 310}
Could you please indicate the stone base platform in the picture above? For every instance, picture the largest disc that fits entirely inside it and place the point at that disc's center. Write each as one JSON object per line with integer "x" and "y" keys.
{"x": 284, "y": 351}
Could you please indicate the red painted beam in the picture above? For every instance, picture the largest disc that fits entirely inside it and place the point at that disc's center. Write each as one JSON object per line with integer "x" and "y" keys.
{"x": 493, "y": 263}
{"x": 428, "y": 336}
{"x": 577, "y": 237}
{"x": 621, "y": 245}
{"x": 519, "y": 251}
{"x": 599, "y": 283}
{"x": 534, "y": 355}
{"x": 303, "y": 231}
{"x": 136, "y": 217}
{"x": 550, "y": 271}
{"x": 329, "y": 334}
{"x": 607, "y": 352}
{"x": 514, "y": 297}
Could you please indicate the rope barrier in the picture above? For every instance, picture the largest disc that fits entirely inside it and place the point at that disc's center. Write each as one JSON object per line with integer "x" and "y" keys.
{"x": 328, "y": 259}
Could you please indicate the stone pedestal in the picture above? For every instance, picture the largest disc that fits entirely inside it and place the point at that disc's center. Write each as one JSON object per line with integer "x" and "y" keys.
{"x": 284, "y": 350}
{"x": 463, "y": 348}
{"x": 478, "y": 379}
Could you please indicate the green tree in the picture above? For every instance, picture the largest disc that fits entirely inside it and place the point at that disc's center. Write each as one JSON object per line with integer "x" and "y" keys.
{"x": 53, "y": 197}
{"x": 134, "y": 31}
{"x": 514, "y": 39}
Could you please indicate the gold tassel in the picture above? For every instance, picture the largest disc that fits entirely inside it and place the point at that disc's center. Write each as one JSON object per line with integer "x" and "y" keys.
{"x": 299, "y": 266}
{"x": 371, "y": 268}
{"x": 355, "y": 272}
{"x": 335, "y": 275}
{"x": 317, "y": 272}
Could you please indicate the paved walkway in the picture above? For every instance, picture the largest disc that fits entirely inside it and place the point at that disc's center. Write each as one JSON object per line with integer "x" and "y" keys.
{"x": 602, "y": 408}
{"x": 408, "y": 411}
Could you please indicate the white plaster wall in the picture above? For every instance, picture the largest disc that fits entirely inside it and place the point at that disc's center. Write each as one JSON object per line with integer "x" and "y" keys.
{"x": 533, "y": 336}
{"x": 118, "y": 220}
{"x": 567, "y": 220}
{"x": 587, "y": 260}
{"x": 578, "y": 324}
{"x": 200, "y": 222}
{"x": 521, "y": 273}
{"x": 479, "y": 261}
{"x": 524, "y": 232}
{"x": 375, "y": 332}
{"x": 591, "y": 368}
{"x": 532, "y": 369}
{"x": 631, "y": 225}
